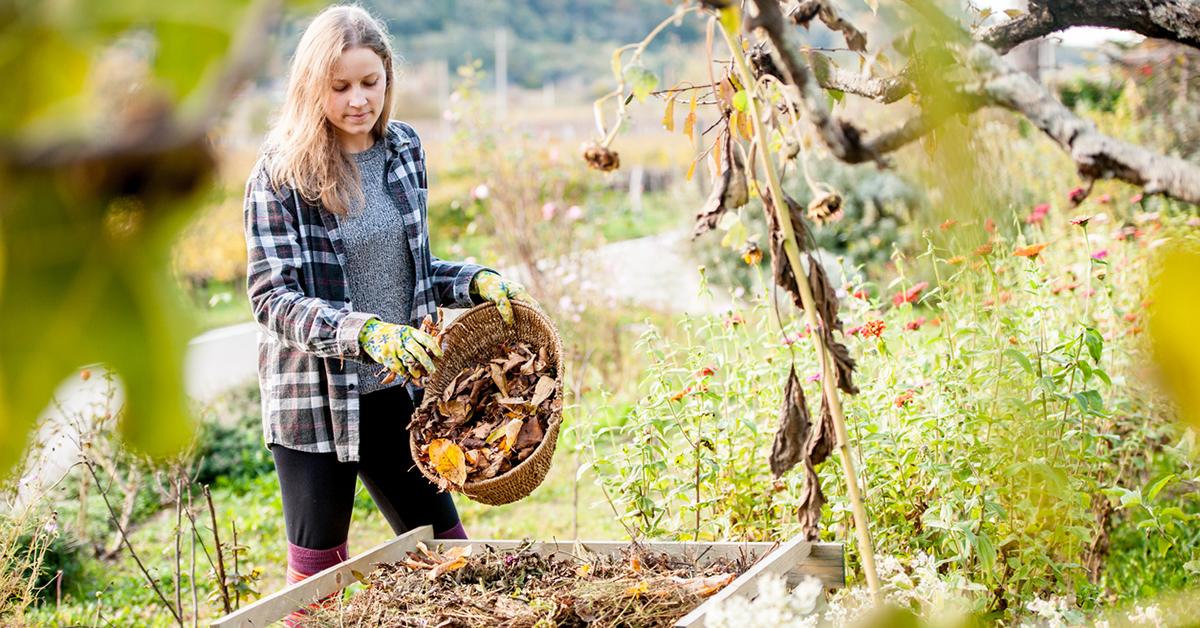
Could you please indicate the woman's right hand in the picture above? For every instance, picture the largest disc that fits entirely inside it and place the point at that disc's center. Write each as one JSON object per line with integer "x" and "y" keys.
{"x": 402, "y": 349}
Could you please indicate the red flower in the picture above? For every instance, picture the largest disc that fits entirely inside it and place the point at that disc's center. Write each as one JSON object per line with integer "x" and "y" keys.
{"x": 873, "y": 328}
{"x": 1076, "y": 195}
{"x": 915, "y": 324}
{"x": 911, "y": 295}
{"x": 706, "y": 371}
{"x": 860, "y": 294}
{"x": 1136, "y": 198}
{"x": 989, "y": 225}
{"x": 1101, "y": 254}
{"x": 1081, "y": 221}
{"x": 1038, "y": 214}
{"x": 735, "y": 320}
{"x": 950, "y": 222}
{"x": 1105, "y": 198}
{"x": 1145, "y": 69}
{"x": 854, "y": 331}
{"x": 904, "y": 398}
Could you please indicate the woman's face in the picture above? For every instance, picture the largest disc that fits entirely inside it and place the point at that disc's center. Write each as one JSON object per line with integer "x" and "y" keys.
{"x": 355, "y": 97}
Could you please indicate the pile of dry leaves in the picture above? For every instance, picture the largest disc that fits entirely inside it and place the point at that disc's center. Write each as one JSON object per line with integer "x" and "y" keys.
{"x": 519, "y": 588}
{"x": 490, "y": 417}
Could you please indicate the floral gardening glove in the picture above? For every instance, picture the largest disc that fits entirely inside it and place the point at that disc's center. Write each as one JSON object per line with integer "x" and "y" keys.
{"x": 492, "y": 287}
{"x": 402, "y": 349}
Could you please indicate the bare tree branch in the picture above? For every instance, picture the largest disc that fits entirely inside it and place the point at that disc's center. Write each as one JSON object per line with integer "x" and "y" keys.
{"x": 1096, "y": 155}
{"x": 806, "y": 10}
{"x": 885, "y": 90}
{"x": 1175, "y": 20}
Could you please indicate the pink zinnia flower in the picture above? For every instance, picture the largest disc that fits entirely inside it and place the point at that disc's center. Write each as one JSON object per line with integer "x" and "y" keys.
{"x": 1101, "y": 254}
{"x": 1039, "y": 213}
{"x": 911, "y": 295}
{"x": 1081, "y": 221}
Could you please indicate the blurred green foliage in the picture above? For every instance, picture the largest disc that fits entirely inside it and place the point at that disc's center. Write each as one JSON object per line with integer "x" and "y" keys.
{"x": 102, "y": 153}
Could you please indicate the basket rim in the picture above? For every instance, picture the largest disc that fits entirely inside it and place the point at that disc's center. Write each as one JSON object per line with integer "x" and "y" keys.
{"x": 553, "y": 424}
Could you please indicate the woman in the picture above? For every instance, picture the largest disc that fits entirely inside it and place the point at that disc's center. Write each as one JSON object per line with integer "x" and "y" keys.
{"x": 339, "y": 271}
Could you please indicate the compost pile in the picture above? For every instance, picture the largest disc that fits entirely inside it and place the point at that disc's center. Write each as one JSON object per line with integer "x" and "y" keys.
{"x": 490, "y": 417}
{"x": 519, "y": 588}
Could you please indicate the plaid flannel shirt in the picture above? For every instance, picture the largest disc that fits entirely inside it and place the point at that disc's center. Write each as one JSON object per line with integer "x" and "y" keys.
{"x": 308, "y": 327}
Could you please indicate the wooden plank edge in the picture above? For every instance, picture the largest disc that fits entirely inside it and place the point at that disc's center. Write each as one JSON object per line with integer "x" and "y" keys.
{"x": 780, "y": 562}
{"x": 281, "y": 603}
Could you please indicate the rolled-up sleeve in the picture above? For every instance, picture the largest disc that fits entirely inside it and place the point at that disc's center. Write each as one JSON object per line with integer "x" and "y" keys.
{"x": 280, "y": 305}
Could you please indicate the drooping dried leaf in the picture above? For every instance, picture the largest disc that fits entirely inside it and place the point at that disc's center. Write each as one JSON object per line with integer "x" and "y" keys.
{"x": 730, "y": 190}
{"x": 792, "y": 432}
{"x": 843, "y": 365}
{"x": 781, "y": 269}
{"x": 821, "y": 437}
{"x": 811, "y": 501}
{"x": 824, "y": 296}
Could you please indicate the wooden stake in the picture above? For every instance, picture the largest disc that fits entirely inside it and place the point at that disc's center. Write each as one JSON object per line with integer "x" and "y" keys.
{"x": 792, "y": 249}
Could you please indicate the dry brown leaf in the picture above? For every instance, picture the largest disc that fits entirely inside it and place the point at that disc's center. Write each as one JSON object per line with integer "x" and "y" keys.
{"x": 792, "y": 433}
{"x": 545, "y": 388}
{"x": 729, "y": 192}
{"x": 530, "y": 436}
{"x": 499, "y": 379}
{"x": 511, "y": 430}
{"x": 447, "y": 567}
{"x": 705, "y": 586}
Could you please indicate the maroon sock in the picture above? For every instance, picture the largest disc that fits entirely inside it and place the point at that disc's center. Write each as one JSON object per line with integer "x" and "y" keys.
{"x": 457, "y": 532}
{"x": 304, "y": 562}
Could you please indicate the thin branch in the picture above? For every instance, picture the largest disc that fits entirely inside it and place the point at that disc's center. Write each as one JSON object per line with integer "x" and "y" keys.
{"x": 113, "y": 515}
{"x": 212, "y": 511}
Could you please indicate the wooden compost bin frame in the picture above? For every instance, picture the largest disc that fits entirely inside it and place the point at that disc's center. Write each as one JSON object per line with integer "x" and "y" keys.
{"x": 794, "y": 559}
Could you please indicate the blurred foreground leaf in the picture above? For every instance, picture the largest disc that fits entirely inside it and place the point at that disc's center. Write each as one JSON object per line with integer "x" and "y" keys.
{"x": 103, "y": 157}
{"x": 1175, "y": 331}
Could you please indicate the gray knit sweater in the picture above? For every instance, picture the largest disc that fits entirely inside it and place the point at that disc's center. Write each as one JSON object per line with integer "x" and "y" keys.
{"x": 379, "y": 264}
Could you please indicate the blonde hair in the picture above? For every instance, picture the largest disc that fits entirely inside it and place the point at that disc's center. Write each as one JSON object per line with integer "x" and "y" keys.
{"x": 303, "y": 149}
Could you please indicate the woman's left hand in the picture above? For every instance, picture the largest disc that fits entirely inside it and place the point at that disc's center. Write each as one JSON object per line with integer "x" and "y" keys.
{"x": 496, "y": 289}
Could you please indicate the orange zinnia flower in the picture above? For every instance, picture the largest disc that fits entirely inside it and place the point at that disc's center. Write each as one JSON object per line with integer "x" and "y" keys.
{"x": 1031, "y": 251}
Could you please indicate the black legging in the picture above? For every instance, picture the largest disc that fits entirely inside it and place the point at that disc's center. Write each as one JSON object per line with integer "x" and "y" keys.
{"x": 318, "y": 491}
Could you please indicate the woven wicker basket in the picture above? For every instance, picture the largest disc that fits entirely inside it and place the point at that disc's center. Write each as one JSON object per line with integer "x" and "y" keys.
{"x": 472, "y": 339}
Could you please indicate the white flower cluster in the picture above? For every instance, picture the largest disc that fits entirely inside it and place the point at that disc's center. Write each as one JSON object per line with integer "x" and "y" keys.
{"x": 916, "y": 586}
{"x": 774, "y": 606}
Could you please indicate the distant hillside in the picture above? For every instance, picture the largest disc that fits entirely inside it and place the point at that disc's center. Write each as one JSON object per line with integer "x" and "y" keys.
{"x": 549, "y": 39}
